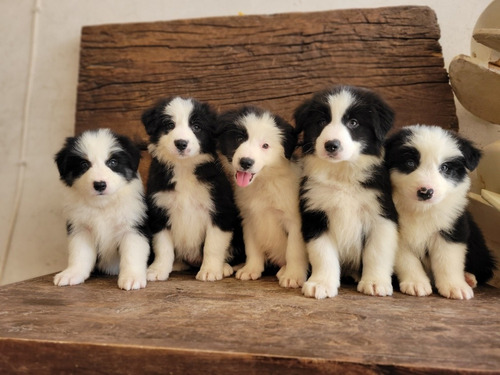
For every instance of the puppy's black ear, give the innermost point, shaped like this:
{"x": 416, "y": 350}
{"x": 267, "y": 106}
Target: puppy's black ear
{"x": 301, "y": 114}
{"x": 289, "y": 136}
{"x": 471, "y": 154}
{"x": 61, "y": 158}
{"x": 211, "y": 116}
{"x": 383, "y": 118}
{"x": 152, "y": 117}
{"x": 131, "y": 149}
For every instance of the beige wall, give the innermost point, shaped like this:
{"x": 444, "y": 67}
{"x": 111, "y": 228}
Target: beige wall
{"x": 39, "y": 40}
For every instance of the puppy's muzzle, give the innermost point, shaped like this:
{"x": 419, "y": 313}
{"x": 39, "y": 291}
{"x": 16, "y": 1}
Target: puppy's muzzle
{"x": 425, "y": 194}
{"x": 333, "y": 146}
{"x": 100, "y": 186}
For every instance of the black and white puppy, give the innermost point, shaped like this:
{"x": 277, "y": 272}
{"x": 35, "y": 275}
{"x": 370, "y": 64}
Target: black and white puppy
{"x": 349, "y": 221}
{"x": 438, "y": 238}
{"x": 256, "y": 147}
{"x": 191, "y": 207}
{"x": 105, "y": 209}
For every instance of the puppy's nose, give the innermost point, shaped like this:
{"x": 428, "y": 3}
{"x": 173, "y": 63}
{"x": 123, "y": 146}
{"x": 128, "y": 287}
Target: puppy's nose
{"x": 100, "y": 186}
{"x": 181, "y": 144}
{"x": 332, "y": 146}
{"x": 246, "y": 163}
{"x": 424, "y": 194}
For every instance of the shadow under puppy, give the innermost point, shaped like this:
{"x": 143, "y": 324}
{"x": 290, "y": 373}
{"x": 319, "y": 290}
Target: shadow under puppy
{"x": 105, "y": 209}
{"x": 438, "y": 237}
{"x": 349, "y": 221}
{"x": 256, "y": 148}
{"x": 191, "y": 208}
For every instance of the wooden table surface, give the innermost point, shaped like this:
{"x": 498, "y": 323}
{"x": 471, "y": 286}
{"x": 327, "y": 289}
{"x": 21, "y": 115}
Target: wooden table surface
{"x": 186, "y": 326}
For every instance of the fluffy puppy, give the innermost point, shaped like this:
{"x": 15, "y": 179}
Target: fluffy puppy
{"x": 191, "y": 208}
{"x": 349, "y": 221}
{"x": 256, "y": 147}
{"x": 105, "y": 209}
{"x": 438, "y": 238}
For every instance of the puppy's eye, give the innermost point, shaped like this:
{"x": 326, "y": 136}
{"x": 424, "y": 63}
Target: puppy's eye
{"x": 265, "y": 146}
{"x": 111, "y": 163}
{"x": 84, "y": 164}
{"x": 352, "y": 123}
{"x": 443, "y": 168}
{"x": 169, "y": 125}
{"x": 240, "y": 139}
{"x": 196, "y": 128}
{"x": 322, "y": 123}
{"x": 410, "y": 163}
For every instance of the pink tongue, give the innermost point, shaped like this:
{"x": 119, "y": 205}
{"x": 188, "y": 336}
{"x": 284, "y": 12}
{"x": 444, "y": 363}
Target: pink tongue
{"x": 243, "y": 178}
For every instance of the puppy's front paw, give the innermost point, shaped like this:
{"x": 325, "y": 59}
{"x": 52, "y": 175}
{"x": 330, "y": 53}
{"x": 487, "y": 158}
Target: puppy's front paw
{"x": 375, "y": 287}
{"x": 69, "y": 276}
{"x": 129, "y": 280}
{"x": 157, "y": 272}
{"x": 416, "y": 288}
{"x": 207, "y": 274}
{"x": 248, "y": 273}
{"x": 291, "y": 278}
{"x": 228, "y": 270}
{"x": 320, "y": 289}
{"x": 456, "y": 291}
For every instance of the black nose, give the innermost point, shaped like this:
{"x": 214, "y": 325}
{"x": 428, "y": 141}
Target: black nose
{"x": 332, "y": 146}
{"x": 246, "y": 163}
{"x": 424, "y": 194}
{"x": 100, "y": 186}
{"x": 181, "y": 144}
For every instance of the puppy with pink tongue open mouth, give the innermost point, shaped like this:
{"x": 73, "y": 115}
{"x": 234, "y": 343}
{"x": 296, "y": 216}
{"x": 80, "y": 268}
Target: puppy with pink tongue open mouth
{"x": 256, "y": 147}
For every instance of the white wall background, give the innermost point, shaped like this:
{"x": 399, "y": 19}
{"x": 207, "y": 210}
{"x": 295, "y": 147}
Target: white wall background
{"x": 39, "y": 40}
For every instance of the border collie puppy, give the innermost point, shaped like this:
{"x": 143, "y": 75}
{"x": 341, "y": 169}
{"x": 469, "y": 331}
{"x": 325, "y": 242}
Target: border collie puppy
{"x": 349, "y": 221}
{"x": 105, "y": 209}
{"x": 191, "y": 207}
{"x": 256, "y": 147}
{"x": 438, "y": 238}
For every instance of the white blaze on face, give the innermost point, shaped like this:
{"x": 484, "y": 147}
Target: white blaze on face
{"x": 337, "y": 132}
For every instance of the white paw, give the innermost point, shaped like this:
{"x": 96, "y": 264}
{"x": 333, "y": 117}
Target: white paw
{"x": 375, "y": 287}
{"x": 290, "y": 278}
{"x": 228, "y": 270}
{"x": 157, "y": 272}
{"x": 460, "y": 290}
{"x": 248, "y": 273}
{"x": 128, "y": 280}
{"x": 320, "y": 289}
{"x": 470, "y": 279}
{"x": 70, "y": 276}
{"x": 207, "y": 274}
{"x": 416, "y": 288}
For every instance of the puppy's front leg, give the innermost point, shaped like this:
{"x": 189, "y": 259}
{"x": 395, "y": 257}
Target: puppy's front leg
{"x": 163, "y": 247}
{"x": 294, "y": 273}
{"x": 254, "y": 265}
{"x": 134, "y": 253}
{"x": 81, "y": 262}
{"x": 213, "y": 267}
{"x": 447, "y": 263}
{"x": 378, "y": 259}
{"x": 410, "y": 272}
{"x": 325, "y": 278}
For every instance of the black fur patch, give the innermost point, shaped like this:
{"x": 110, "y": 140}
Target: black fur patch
{"x": 314, "y": 222}
{"x": 380, "y": 181}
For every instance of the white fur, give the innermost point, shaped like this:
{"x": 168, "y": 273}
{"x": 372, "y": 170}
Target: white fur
{"x": 269, "y": 205}
{"x": 334, "y": 187}
{"x": 421, "y": 221}
{"x": 103, "y": 225}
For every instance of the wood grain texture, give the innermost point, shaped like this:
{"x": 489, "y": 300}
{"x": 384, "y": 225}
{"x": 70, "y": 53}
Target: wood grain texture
{"x": 273, "y": 61}
{"x": 184, "y": 326}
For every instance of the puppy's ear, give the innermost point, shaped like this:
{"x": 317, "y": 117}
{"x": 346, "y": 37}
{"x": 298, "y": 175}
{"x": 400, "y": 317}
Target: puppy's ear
{"x": 289, "y": 136}
{"x": 150, "y": 120}
{"x": 301, "y": 114}
{"x": 384, "y": 118}
{"x": 211, "y": 116}
{"x": 131, "y": 149}
{"x": 471, "y": 154}
{"x": 61, "y": 158}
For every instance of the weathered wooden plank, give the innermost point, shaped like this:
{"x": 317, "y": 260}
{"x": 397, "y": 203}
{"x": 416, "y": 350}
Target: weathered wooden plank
{"x": 273, "y": 61}
{"x": 182, "y": 325}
